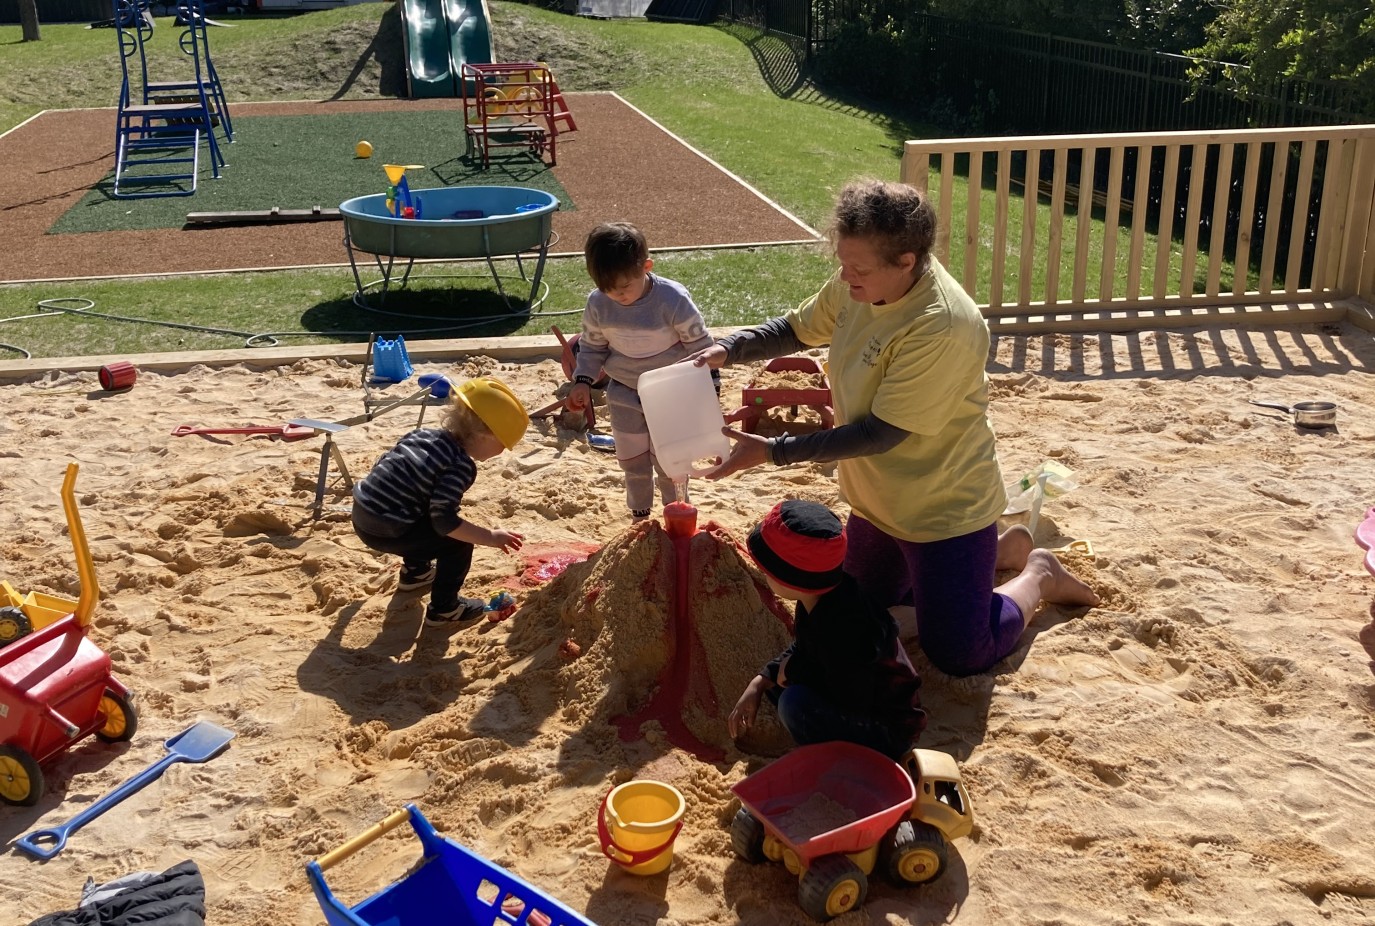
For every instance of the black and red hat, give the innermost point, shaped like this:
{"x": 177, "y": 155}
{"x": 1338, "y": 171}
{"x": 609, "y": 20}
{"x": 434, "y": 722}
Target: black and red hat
{"x": 800, "y": 545}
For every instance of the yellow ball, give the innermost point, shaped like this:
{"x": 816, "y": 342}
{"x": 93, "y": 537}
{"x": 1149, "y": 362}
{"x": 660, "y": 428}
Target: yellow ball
{"x": 363, "y": 149}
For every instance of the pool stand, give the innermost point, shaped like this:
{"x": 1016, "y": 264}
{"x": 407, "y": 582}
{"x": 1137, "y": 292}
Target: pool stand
{"x": 508, "y": 222}
{"x": 387, "y": 280}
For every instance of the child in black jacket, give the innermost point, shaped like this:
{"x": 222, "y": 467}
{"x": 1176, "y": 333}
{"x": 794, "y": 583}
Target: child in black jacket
{"x": 846, "y": 675}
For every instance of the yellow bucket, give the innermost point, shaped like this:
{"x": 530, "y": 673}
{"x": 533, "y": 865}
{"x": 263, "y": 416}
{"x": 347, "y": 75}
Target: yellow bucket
{"x": 637, "y": 824}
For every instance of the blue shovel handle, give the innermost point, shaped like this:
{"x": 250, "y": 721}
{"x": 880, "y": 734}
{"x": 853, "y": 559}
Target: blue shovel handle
{"x": 44, "y": 844}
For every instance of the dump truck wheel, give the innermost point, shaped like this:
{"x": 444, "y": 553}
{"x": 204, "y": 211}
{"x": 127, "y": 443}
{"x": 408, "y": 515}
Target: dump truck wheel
{"x": 14, "y": 624}
{"x": 918, "y": 855}
{"x": 831, "y": 886}
{"x": 747, "y": 836}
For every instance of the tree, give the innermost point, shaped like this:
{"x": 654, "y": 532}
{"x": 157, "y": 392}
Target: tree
{"x": 28, "y": 17}
{"x": 1092, "y": 20}
{"x": 1165, "y": 25}
{"x": 1305, "y": 39}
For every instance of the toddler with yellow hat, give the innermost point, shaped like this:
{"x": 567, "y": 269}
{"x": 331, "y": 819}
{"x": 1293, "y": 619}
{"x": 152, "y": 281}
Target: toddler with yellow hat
{"x": 409, "y": 504}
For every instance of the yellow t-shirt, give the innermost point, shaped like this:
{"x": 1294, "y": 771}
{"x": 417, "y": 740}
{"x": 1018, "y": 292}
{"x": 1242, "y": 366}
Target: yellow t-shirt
{"x": 918, "y": 364}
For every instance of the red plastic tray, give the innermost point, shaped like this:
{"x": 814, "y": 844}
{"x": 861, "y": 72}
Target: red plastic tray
{"x": 772, "y": 398}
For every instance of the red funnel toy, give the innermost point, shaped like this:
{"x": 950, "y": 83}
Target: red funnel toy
{"x": 676, "y": 679}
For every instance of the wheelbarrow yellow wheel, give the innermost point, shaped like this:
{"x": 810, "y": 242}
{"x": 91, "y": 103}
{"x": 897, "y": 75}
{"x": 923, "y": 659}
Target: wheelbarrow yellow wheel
{"x": 121, "y": 719}
{"x": 918, "y": 855}
{"x": 832, "y": 885}
{"x": 21, "y": 780}
{"x": 14, "y": 624}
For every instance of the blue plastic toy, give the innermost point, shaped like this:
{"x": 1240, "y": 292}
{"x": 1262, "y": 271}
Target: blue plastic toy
{"x": 449, "y": 883}
{"x": 390, "y": 363}
{"x": 501, "y": 605}
{"x": 400, "y": 202}
{"x": 439, "y": 384}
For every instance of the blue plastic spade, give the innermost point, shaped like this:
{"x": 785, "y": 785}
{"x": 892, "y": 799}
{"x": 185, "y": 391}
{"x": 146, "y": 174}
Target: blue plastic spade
{"x": 201, "y": 742}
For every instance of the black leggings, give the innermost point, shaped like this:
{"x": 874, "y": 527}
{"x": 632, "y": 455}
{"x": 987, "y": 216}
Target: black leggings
{"x": 418, "y": 547}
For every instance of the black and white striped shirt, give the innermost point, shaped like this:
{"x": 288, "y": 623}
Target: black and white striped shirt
{"x": 423, "y": 477}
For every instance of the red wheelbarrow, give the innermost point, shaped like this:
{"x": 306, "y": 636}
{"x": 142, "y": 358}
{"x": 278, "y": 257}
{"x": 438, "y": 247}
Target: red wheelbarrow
{"x": 55, "y": 684}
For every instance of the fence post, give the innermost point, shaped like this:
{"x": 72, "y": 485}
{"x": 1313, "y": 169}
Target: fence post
{"x": 1146, "y": 95}
{"x": 1046, "y": 76}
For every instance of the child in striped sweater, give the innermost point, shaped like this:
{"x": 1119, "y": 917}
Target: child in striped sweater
{"x": 409, "y": 504}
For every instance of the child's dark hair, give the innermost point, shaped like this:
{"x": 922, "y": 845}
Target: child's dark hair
{"x": 898, "y": 218}
{"x": 614, "y": 251}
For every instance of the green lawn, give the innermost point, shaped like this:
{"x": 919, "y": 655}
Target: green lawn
{"x": 734, "y": 94}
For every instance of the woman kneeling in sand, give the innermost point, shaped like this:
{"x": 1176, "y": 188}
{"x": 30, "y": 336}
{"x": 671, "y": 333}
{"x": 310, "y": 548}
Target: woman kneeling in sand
{"x": 915, "y": 452}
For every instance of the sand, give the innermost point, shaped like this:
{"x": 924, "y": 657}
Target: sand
{"x": 1200, "y": 749}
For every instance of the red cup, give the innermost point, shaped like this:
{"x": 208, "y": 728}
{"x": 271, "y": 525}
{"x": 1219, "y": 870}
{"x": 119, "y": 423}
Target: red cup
{"x": 680, "y": 519}
{"x": 118, "y": 375}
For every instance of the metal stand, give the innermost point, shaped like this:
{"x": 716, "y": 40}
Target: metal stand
{"x": 330, "y": 450}
{"x": 392, "y": 267}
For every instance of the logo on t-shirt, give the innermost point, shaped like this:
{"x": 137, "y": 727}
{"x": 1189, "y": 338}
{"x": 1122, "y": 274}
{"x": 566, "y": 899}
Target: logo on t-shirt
{"x": 871, "y": 351}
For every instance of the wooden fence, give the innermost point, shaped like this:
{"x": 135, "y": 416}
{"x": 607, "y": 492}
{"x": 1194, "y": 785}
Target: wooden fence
{"x": 1184, "y": 227}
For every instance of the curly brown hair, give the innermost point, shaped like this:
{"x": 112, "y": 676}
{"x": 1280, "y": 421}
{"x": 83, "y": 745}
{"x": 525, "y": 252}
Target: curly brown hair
{"x": 897, "y": 218}
{"x": 461, "y": 421}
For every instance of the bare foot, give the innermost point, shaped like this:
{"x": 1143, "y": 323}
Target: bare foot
{"x": 1014, "y": 546}
{"x": 1058, "y": 584}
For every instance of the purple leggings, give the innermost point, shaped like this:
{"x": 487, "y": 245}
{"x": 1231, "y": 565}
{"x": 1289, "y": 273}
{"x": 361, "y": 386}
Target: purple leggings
{"x": 964, "y": 626}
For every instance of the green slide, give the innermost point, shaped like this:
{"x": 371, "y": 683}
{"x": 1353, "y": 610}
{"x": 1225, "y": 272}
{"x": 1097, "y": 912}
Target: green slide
{"x": 440, "y": 37}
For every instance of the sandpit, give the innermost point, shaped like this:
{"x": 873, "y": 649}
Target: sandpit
{"x": 1198, "y": 749}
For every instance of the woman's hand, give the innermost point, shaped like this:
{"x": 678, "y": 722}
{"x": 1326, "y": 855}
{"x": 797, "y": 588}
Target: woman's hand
{"x": 742, "y": 715}
{"x": 713, "y": 357}
{"x": 749, "y": 451}
{"x": 506, "y": 541}
{"x": 579, "y": 397}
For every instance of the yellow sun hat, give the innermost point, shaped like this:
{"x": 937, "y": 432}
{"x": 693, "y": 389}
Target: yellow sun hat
{"x": 494, "y": 402}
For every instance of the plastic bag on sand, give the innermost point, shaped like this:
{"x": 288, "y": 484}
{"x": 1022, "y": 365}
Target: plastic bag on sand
{"x": 1024, "y": 497}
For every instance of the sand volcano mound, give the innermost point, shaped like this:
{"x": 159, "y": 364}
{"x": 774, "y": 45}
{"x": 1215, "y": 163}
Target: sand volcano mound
{"x": 619, "y": 609}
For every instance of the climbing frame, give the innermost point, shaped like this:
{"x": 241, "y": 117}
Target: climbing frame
{"x": 512, "y": 105}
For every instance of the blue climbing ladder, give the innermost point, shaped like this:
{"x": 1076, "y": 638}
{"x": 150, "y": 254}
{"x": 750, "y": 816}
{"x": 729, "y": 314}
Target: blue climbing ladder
{"x": 157, "y": 138}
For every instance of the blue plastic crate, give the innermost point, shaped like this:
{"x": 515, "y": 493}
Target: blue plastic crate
{"x": 390, "y": 361}
{"x": 470, "y": 890}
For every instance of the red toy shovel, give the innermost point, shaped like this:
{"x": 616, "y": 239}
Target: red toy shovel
{"x": 284, "y": 431}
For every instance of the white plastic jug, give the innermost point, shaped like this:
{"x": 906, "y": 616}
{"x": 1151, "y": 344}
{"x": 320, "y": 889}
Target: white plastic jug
{"x": 684, "y": 417}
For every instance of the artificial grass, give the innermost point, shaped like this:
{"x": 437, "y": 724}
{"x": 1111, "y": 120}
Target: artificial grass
{"x": 297, "y": 162}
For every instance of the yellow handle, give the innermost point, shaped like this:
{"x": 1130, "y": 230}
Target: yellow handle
{"x": 90, "y": 589}
{"x": 335, "y": 856}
